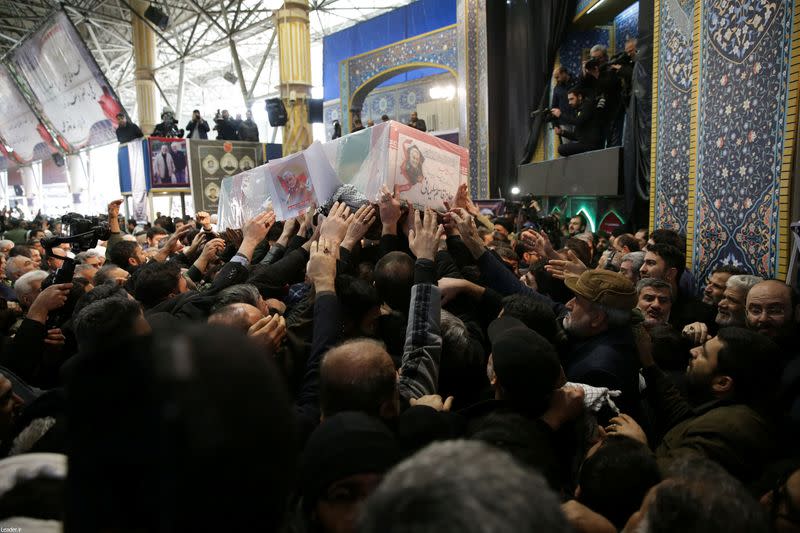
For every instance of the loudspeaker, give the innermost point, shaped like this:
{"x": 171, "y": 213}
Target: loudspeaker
{"x": 315, "y": 110}
{"x": 276, "y": 112}
{"x": 157, "y": 17}
{"x": 58, "y": 159}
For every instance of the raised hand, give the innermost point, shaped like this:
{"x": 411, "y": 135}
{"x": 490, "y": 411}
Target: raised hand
{"x": 566, "y": 404}
{"x": 424, "y": 237}
{"x": 390, "y": 212}
{"x": 452, "y": 287}
{"x": 256, "y": 229}
{"x": 696, "y": 333}
{"x": 269, "y": 332}
{"x": 203, "y": 219}
{"x": 55, "y": 337}
{"x": 334, "y": 227}
{"x": 197, "y": 241}
{"x": 113, "y": 216}
{"x": 434, "y": 401}
{"x": 469, "y": 232}
{"x": 361, "y": 221}
{"x": 562, "y": 268}
{"x": 172, "y": 244}
{"x": 321, "y": 269}
{"x": 49, "y": 300}
{"x": 463, "y": 201}
{"x": 627, "y": 426}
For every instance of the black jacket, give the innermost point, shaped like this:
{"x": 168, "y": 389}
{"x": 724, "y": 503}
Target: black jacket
{"x": 248, "y": 131}
{"x": 202, "y": 127}
{"x": 129, "y": 132}
{"x": 587, "y": 122}
{"x": 420, "y": 125}
{"x": 167, "y": 130}
{"x": 226, "y": 130}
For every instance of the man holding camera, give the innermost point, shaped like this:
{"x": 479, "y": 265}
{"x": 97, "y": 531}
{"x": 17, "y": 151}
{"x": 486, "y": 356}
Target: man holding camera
{"x": 588, "y": 128}
{"x": 168, "y": 127}
{"x": 197, "y": 128}
{"x": 225, "y": 127}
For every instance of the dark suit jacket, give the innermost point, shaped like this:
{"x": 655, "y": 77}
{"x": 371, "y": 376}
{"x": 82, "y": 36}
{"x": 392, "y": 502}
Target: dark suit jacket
{"x": 420, "y": 125}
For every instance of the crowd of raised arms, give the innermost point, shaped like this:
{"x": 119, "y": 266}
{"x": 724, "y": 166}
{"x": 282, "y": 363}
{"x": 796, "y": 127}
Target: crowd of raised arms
{"x": 378, "y": 369}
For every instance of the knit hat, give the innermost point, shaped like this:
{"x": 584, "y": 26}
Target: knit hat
{"x": 346, "y": 444}
{"x": 604, "y": 287}
{"x": 526, "y": 364}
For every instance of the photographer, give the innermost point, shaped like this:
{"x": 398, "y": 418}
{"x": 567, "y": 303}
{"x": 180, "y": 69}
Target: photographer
{"x": 225, "y": 126}
{"x": 168, "y": 127}
{"x": 198, "y": 128}
{"x": 248, "y": 129}
{"x": 588, "y": 132}
{"x": 622, "y": 64}
{"x": 606, "y": 88}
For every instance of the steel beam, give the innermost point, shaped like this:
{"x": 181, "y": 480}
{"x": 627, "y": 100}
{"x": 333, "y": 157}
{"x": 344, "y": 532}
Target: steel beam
{"x": 261, "y": 66}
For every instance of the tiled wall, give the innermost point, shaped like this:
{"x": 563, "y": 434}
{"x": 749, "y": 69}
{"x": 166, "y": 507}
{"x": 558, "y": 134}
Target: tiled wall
{"x": 397, "y": 101}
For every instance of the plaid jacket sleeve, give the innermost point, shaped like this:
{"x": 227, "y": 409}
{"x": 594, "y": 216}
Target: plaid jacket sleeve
{"x": 419, "y": 372}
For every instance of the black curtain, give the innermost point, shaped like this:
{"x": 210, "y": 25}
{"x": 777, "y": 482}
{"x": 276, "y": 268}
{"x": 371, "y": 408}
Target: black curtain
{"x": 638, "y": 123}
{"x": 522, "y": 37}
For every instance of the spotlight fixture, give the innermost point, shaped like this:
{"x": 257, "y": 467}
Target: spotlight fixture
{"x": 515, "y": 190}
{"x": 230, "y": 77}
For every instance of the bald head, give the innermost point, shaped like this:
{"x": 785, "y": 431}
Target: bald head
{"x": 237, "y": 316}
{"x": 772, "y": 309}
{"x": 359, "y": 375}
{"x": 394, "y": 277}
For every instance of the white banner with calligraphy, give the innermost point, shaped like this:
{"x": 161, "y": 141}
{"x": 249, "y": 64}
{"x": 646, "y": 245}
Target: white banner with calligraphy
{"x": 18, "y": 124}
{"x": 71, "y": 90}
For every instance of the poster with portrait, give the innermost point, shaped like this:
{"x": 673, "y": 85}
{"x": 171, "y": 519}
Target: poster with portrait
{"x": 424, "y": 170}
{"x": 242, "y": 197}
{"x": 168, "y": 164}
{"x": 210, "y": 161}
{"x": 290, "y": 186}
{"x": 300, "y": 180}
{"x": 70, "y": 90}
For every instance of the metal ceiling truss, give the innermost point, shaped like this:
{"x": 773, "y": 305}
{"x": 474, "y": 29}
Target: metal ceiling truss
{"x": 204, "y": 40}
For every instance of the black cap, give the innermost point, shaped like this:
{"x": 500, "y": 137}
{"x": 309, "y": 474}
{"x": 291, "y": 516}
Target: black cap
{"x": 526, "y": 364}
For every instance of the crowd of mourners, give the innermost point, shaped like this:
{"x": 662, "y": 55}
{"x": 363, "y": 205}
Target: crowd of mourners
{"x": 373, "y": 368}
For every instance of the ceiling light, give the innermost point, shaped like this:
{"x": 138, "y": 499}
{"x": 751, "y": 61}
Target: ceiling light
{"x": 442, "y": 92}
{"x": 595, "y": 6}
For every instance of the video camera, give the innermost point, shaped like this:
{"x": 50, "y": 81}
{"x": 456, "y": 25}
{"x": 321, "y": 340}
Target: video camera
{"x": 83, "y": 234}
{"x": 621, "y": 58}
{"x": 547, "y": 112}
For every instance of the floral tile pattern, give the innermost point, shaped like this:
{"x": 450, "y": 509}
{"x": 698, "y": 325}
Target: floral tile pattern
{"x": 674, "y": 117}
{"x": 744, "y": 85}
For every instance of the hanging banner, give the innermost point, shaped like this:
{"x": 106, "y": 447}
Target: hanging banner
{"x": 139, "y": 178}
{"x": 20, "y": 129}
{"x": 71, "y": 90}
{"x": 210, "y": 161}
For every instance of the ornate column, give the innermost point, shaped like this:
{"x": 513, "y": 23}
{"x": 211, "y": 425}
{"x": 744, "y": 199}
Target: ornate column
{"x": 294, "y": 49}
{"x": 473, "y": 93}
{"x": 144, "y": 54}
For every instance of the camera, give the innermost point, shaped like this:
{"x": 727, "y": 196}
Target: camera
{"x": 81, "y": 232}
{"x": 547, "y": 112}
{"x": 621, "y": 58}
